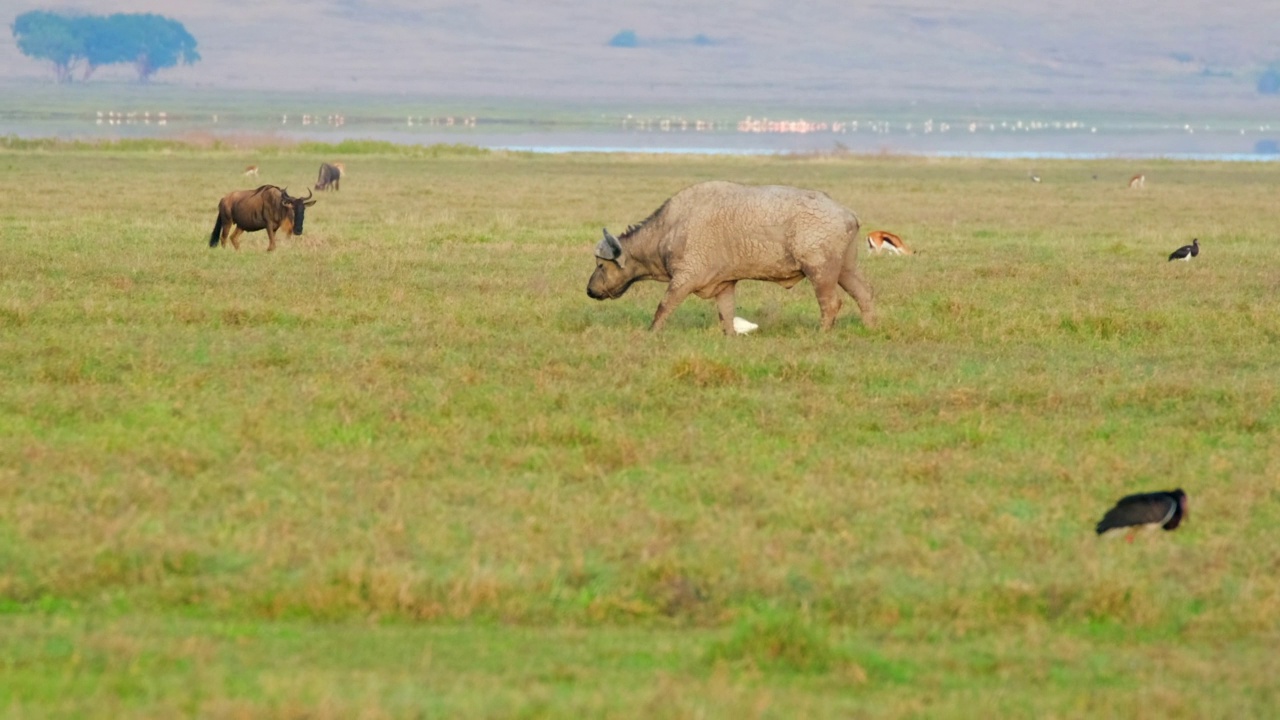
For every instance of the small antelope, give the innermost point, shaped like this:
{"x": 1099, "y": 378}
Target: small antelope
{"x": 251, "y": 170}
{"x": 1137, "y": 181}
{"x": 879, "y": 240}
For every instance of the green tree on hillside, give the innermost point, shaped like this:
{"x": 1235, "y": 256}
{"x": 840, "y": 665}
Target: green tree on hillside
{"x": 49, "y": 36}
{"x": 161, "y": 43}
{"x": 1269, "y": 83}
{"x": 108, "y": 41}
{"x": 148, "y": 42}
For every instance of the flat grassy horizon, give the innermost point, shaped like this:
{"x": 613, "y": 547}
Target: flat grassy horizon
{"x": 403, "y": 466}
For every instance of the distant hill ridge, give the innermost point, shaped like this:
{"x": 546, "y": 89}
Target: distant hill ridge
{"x": 1095, "y": 53}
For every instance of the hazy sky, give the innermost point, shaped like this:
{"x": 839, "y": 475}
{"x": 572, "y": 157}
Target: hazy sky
{"x": 1173, "y": 54}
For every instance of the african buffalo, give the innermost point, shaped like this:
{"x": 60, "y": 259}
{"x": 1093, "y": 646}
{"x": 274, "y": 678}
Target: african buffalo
{"x": 707, "y": 237}
{"x": 330, "y": 176}
{"x": 265, "y": 208}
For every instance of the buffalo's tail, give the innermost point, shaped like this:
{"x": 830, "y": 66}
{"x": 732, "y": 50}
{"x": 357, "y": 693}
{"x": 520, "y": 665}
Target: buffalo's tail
{"x": 217, "y": 230}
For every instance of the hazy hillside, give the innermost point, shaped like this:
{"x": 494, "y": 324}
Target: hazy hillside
{"x": 1147, "y": 54}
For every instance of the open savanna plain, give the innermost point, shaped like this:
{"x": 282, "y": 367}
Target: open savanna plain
{"x": 404, "y": 467}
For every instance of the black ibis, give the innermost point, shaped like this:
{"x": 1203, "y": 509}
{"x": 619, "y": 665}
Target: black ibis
{"x": 1186, "y": 252}
{"x": 1165, "y": 510}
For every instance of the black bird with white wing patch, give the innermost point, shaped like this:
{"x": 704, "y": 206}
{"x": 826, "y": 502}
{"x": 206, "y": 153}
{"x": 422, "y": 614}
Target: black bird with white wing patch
{"x": 1186, "y": 252}
{"x": 1158, "y": 509}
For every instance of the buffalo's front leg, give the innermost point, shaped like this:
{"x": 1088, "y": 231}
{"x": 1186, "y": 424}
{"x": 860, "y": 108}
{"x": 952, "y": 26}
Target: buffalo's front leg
{"x": 676, "y": 293}
{"x": 725, "y": 305}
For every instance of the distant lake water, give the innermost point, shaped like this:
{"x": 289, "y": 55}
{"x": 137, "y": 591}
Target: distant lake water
{"x": 1003, "y": 138}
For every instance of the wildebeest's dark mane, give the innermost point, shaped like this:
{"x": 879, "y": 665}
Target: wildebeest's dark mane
{"x": 632, "y": 229}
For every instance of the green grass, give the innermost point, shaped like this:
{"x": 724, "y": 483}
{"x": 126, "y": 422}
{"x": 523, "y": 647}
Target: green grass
{"x": 403, "y": 465}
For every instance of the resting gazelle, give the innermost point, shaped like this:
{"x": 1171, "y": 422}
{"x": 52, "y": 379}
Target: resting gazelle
{"x": 251, "y": 170}
{"x": 1137, "y": 181}
{"x": 879, "y": 240}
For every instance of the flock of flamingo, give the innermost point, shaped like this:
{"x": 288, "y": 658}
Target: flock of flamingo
{"x": 749, "y": 124}
{"x": 111, "y": 117}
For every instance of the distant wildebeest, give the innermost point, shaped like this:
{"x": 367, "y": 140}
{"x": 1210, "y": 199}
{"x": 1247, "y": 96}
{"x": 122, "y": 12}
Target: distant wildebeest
{"x": 251, "y": 170}
{"x": 265, "y": 208}
{"x": 1137, "y": 181}
{"x": 880, "y": 240}
{"x": 330, "y": 176}
{"x": 707, "y": 237}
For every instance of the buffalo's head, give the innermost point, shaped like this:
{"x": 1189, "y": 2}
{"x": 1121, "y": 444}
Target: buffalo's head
{"x": 612, "y": 277}
{"x": 297, "y": 207}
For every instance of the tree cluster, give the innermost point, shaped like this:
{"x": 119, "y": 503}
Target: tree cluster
{"x": 146, "y": 41}
{"x": 1269, "y": 82}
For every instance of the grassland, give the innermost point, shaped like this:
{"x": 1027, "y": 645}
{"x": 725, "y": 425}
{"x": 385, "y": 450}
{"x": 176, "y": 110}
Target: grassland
{"x": 404, "y": 467}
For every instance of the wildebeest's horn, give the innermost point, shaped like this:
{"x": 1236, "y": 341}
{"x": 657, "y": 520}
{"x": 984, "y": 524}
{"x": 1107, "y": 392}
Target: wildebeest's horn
{"x": 609, "y": 247}
{"x": 308, "y": 197}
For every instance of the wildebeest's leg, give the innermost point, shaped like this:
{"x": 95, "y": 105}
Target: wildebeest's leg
{"x": 853, "y": 283}
{"x": 676, "y": 293}
{"x": 724, "y": 304}
{"x": 271, "y": 238}
{"x": 235, "y": 236}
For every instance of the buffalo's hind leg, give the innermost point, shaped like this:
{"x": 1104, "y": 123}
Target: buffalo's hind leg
{"x": 824, "y": 286}
{"x": 725, "y": 306}
{"x": 854, "y": 284}
{"x": 829, "y": 302}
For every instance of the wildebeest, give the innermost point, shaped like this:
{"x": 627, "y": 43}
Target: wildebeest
{"x": 266, "y": 208}
{"x": 330, "y": 176}
{"x": 707, "y": 237}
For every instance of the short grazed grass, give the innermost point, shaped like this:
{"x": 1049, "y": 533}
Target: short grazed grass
{"x": 403, "y": 465}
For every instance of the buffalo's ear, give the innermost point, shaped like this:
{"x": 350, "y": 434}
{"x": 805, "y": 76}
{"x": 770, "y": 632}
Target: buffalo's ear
{"x": 610, "y": 249}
